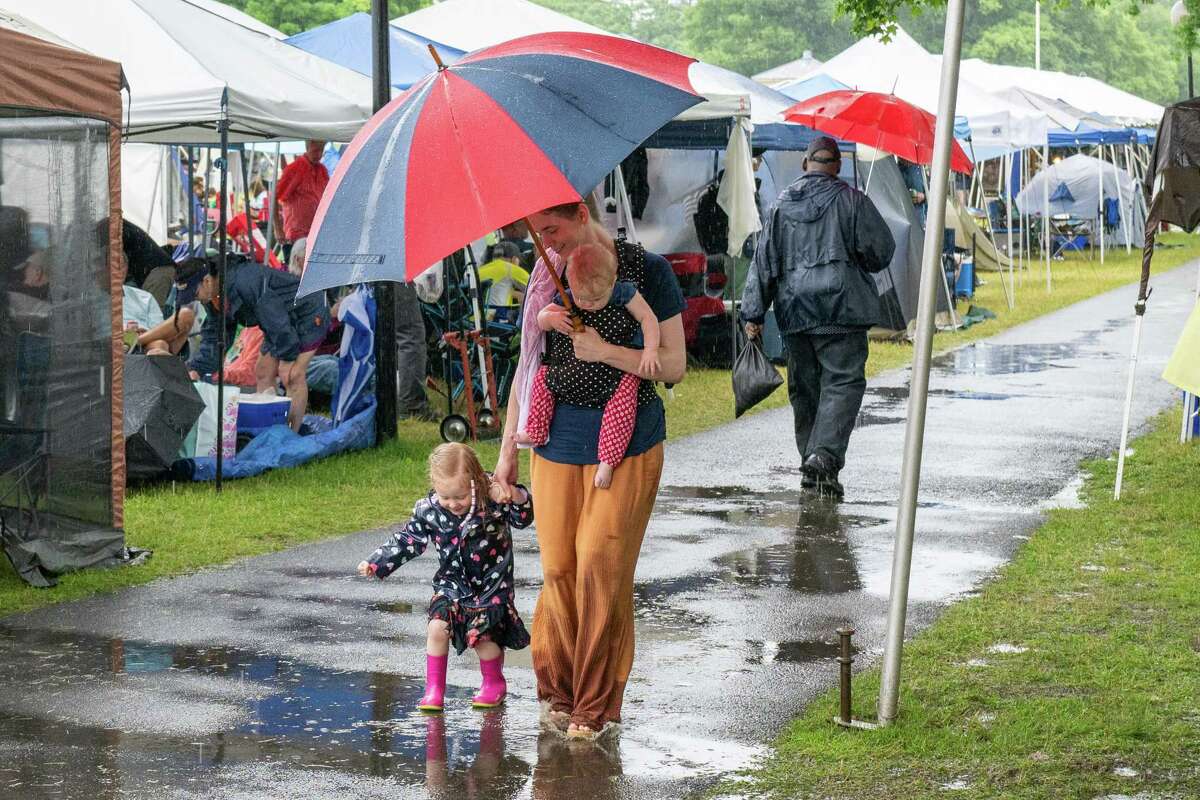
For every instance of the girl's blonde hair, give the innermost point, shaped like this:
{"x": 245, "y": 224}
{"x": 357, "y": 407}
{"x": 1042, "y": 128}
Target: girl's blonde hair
{"x": 453, "y": 461}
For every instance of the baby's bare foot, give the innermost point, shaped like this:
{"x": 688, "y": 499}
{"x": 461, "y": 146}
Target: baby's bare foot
{"x": 604, "y": 476}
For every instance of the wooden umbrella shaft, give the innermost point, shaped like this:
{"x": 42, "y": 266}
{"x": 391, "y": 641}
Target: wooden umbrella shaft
{"x": 558, "y": 284}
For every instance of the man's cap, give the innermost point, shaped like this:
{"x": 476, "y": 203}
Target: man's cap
{"x": 826, "y": 143}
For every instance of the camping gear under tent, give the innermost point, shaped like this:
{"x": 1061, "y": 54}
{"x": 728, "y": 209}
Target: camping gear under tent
{"x": 62, "y": 475}
{"x": 1074, "y": 187}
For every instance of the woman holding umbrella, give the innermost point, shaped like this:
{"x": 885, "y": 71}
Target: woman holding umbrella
{"x": 559, "y": 110}
{"x": 590, "y": 538}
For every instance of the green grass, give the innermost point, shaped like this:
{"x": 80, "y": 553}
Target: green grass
{"x": 1106, "y": 600}
{"x": 189, "y": 526}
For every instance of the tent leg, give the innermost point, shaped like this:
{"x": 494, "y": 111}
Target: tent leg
{"x": 1006, "y": 162}
{"x": 1100, "y": 181}
{"x": 223, "y": 218}
{"x": 191, "y": 201}
{"x": 271, "y": 214}
{"x": 1133, "y": 356}
{"x": 1046, "y": 215}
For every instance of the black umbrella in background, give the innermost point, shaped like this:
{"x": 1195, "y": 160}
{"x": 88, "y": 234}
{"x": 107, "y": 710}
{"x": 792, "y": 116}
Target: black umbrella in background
{"x": 161, "y": 406}
{"x": 1173, "y": 186}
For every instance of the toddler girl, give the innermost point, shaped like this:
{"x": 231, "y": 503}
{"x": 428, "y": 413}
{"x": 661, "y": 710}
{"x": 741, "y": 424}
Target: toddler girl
{"x": 621, "y": 316}
{"x": 467, "y": 519}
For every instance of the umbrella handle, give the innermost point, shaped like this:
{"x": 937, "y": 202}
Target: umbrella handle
{"x": 576, "y": 322}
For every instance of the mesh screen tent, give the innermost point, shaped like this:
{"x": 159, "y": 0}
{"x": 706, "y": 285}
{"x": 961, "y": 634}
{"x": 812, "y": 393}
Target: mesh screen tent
{"x": 61, "y": 456}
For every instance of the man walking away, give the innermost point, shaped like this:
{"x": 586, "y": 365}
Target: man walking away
{"x": 813, "y": 262}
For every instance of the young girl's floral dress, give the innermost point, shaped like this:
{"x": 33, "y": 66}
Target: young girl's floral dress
{"x": 473, "y": 586}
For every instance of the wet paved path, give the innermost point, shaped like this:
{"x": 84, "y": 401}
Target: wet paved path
{"x": 283, "y": 676}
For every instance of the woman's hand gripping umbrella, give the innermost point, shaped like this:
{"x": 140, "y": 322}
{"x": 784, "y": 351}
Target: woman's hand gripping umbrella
{"x": 505, "y": 131}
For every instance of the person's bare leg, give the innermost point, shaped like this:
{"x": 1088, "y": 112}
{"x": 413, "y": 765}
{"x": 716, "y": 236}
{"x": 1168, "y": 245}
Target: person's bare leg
{"x": 266, "y": 373}
{"x": 170, "y": 330}
{"x": 297, "y": 387}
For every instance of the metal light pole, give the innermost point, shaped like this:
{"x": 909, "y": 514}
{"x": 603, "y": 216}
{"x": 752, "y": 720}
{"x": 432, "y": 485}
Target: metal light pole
{"x": 385, "y": 296}
{"x": 1037, "y": 35}
{"x": 914, "y": 434}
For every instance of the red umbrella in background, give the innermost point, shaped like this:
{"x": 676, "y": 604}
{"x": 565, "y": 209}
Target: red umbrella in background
{"x": 878, "y": 120}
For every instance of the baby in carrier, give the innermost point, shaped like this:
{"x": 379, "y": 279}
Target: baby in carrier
{"x": 621, "y": 316}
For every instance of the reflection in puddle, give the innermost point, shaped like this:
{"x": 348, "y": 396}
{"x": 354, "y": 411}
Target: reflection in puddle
{"x": 817, "y": 559}
{"x": 1005, "y": 359}
{"x": 239, "y": 708}
{"x": 393, "y": 607}
{"x": 801, "y": 652}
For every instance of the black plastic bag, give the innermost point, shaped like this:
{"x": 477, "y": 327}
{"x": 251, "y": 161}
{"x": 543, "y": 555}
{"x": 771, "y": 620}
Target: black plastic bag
{"x": 754, "y": 377}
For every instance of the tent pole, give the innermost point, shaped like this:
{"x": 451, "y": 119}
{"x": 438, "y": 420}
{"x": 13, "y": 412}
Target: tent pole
{"x": 1006, "y": 160}
{"x": 1100, "y": 182}
{"x": 914, "y": 434}
{"x": 271, "y": 199}
{"x": 1139, "y": 310}
{"x": 223, "y": 217}
{"x": 1046, "y": 211}
{"x": 1121, "y": 203}
{"x": 191, "y": 201}
{"x": 387, "y": 372}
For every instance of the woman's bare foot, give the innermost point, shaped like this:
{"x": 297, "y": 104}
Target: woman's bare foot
{"x": 581, "y": 732}
{"x": 559, "y": 720}
{"x": 604, "y": 475}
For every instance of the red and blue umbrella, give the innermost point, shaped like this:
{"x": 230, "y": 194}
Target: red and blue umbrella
{"x": 506, "y": 131}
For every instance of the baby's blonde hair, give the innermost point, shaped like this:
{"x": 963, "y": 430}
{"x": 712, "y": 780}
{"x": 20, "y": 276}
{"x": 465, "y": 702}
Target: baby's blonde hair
{"x": 453, "y": 461}
{"x": 591, "y": 267}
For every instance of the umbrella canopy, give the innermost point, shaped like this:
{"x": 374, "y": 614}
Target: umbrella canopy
{"x": 348, "y": 42}
{"x": 502, "y": 133}
{"x": 878, "y": 120}
{"x": 161, "y": 406}
{"x": 1173, "y": 180}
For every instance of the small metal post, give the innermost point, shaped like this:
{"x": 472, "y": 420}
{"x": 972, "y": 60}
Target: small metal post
{"x": 845, "y": 662}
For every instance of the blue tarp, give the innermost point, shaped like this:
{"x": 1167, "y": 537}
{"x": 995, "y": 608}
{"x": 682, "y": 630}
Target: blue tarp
{"x": 279, "y": 447}
{"x": 348, "y": 42}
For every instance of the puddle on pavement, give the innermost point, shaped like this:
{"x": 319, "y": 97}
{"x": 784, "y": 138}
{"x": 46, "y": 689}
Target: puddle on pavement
{"x": 799, "y": 652}
{"x": 982, "y": 358}
{"x": 395, "y": 607}
{"x": 816, "y": 559}
{"x": 289, "y": 715}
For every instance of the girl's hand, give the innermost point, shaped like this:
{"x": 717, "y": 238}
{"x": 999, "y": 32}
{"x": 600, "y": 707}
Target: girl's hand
{"x": 588, "y": 345}
{"x": 366, "y": 569}
{"x": 555, "y": 317}
{"x": 650, "y": 365}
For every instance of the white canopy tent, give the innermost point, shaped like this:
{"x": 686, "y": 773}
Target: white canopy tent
{"x": 790, "y": 72}
{"x": 189, "y": 68}
{"x": 472, "y": 24}
{"x": 1087, "y": 94}
{"x": 240, "y": 17}
{"x": 902, "y": 67}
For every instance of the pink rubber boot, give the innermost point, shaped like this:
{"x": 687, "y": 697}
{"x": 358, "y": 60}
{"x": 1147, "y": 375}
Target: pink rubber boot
{"x": 435, "y": 683}
{"x": 493, "y": 690}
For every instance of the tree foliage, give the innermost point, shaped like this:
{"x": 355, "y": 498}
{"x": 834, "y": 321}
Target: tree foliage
{"x": 1127, "y": 43}
{"x": 294, "y": 16}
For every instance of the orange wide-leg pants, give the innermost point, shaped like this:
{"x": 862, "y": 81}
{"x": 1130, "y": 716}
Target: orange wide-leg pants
{"x": 589, "y": 540}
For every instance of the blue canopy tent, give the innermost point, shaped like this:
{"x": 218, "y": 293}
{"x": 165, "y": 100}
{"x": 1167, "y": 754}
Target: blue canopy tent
{"x": 347, "y": 42}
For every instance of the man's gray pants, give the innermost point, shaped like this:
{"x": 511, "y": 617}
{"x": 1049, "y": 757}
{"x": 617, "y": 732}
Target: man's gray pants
{"x": 826, "y": 382}
{"x": 410, "y": 351}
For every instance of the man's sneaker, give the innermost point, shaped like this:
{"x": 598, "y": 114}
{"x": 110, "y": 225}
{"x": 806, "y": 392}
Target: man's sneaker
{"x": 820, "y": 475}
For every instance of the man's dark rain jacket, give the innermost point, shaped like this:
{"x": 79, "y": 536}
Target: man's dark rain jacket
{"x": 815, "y": 254}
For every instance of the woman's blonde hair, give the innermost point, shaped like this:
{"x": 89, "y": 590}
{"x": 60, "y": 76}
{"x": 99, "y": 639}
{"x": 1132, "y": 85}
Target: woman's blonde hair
{"x": 454, "y": 460}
